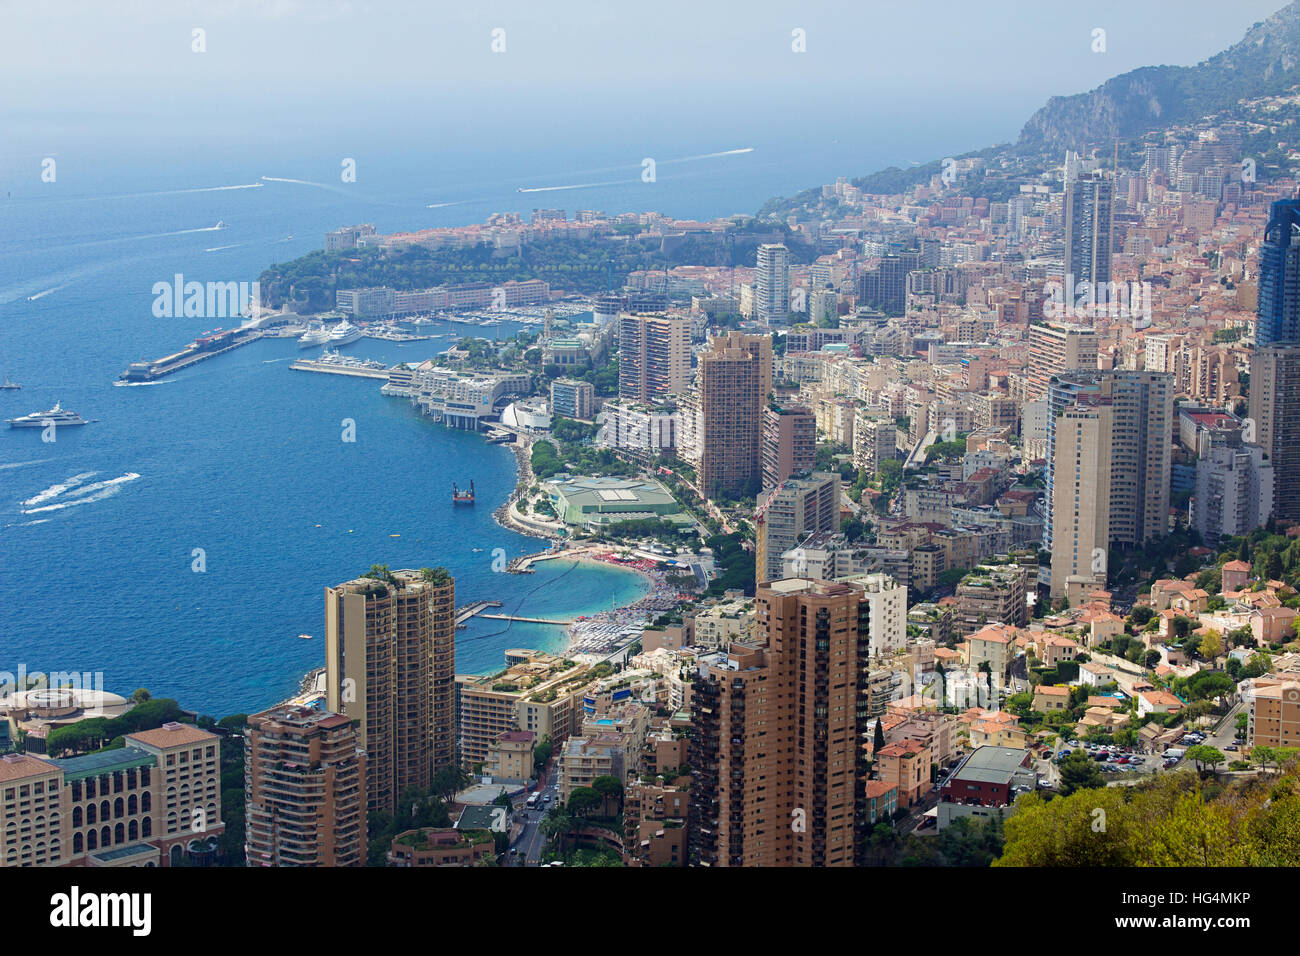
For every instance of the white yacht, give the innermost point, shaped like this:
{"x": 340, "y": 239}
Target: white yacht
{"x": 343, "y": 334}
{"x": 58, "y": 415}
{"x": 317, "y": 334}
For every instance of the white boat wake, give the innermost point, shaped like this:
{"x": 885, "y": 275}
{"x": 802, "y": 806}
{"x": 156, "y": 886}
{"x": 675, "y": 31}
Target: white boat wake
{"x": 55, "y": 490}
{"x": 96, "y": 491}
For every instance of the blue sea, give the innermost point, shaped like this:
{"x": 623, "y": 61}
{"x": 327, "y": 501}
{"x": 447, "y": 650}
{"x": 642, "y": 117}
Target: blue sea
{"x": 240, "y": 460}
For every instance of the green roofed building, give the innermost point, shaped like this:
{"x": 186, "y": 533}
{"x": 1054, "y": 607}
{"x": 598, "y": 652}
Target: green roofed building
{"x": 598, "y": 502}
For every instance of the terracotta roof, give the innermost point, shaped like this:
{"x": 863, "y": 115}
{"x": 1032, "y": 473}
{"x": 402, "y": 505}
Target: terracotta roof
{"x": 19, "y": 766}
{"x": 171, "y": 735}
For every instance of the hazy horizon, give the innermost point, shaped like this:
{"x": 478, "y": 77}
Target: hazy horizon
{"x": 339, "y": 78}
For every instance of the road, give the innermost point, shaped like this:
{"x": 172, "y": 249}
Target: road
{"x": 531, "y": 840}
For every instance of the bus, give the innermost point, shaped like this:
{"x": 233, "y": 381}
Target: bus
{"x": 532, "y": 800}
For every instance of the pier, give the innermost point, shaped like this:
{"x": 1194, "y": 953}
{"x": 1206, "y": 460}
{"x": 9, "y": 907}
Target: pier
{"x": 524, "y": 565}
{"x": 202, "y": 348}
{"x": 463, "y": 614}
{"x": 335, "y": 368}
{"x": 527, "y": 620}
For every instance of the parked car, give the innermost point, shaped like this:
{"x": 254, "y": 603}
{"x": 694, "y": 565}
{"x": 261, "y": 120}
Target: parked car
{"x": 1231, "y": 747}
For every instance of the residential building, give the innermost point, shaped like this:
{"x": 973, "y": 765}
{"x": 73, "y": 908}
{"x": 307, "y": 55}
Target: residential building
{"x": 789, "y": 443}
{"x": 735, "y": 378}
{"x": 573, "y": 399}
{"x": 789, "y": 513}
{"x": 778, "y": 726}
{"x": 304, "y": 789}
{"x": 772, "y": 283}
{"x": 390, "y": 660}
{"x": 654, "y": 356}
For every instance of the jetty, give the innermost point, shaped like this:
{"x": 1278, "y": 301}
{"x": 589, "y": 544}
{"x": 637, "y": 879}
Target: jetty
{"x": 336, "y": 368}
{"x": 463, "y": 614}
{"x": 201, "y": 349}
{"x": 527, "y": 620}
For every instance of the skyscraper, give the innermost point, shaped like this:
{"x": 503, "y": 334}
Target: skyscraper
{"x": 735, "y": 378}
{"x": 777, "y": 758}
{"x": 1139, "y": 455}
{"x": 304, "y": 788}
{"x": 1278, "y": 321}
{"x": 772, "y": 283}
{"x": 654, "y": 355}
{"x": 1089, "y": 223}
{"x": 390, "y": 658}
{"x": 1275, "y": 364}
{"x": 1081, "y": 492}
{"x": 1275, "y": 420}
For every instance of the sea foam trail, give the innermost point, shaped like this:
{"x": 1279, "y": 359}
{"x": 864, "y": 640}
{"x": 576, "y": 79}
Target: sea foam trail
{"x": 106, "y": 490}
{"x": 23, "y": 464}
{"x": 55, "y": 490}
{"x": 551, "y": 189}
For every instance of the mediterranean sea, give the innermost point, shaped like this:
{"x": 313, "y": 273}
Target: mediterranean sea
{"x": 240, "y": 459}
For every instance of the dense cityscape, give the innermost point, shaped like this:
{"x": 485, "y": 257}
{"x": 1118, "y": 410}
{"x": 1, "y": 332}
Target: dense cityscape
{"x": 958, "y": 507}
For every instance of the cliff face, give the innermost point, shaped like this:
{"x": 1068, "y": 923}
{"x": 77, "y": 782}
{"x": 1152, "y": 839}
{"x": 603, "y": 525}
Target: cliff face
{"x": 1264, "y": 62}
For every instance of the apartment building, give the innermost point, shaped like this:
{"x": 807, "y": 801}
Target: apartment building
{"x": 304, "y": 789}
{"x": 573, "y": 399}
{"x": 789, "y": 513}
{"x": 789, "y": 443}
{"x": 538, "y": 692}
{"x": 735, "y": 378}
{"x": 778, "y": 770}
{"x": 1275, "y": 714}
{"x": 654, "y": 357}
{"x": 390, "y": 660}
{"x": 991, "y": 594}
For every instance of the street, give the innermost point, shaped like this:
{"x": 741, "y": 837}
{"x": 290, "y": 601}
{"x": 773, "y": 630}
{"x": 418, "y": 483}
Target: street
{"x": 531, "y": 840}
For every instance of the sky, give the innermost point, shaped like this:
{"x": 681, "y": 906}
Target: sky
{"x": 126, "y": 72}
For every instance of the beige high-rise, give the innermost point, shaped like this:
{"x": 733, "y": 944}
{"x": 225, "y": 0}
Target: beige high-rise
{"x": 1081, "y": 494}
{"x": 390, "y": 658}
{"x": 654, "y": 356}
{"x": 304, "y": 789}
{"x": 734, "y": 381}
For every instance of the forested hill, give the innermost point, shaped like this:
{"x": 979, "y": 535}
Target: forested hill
{"x": 573, "y": 265}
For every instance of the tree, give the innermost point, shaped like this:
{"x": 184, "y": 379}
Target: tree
{"x": 141, "y": 695}
{"x": 1203, "y": 755}
{"x": 1263, "y": 756}
{"x": 1079, "y": 772}
{"x": 449, "y": 781}
{"x": 609, "y": 788}
{"x": 582, "y": 801}
{"x": 1212, "y": 644}
{"x": 878, "y": 740}
{"x": 541, "y": 755}
{"x": 1140, "y": 614}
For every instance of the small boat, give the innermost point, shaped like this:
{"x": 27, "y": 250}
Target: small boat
{"x": 304, "y": 637}
{"x": 6, "y": 384}
{"x": 221, "y": 224}
{"x": 459, "y": 496}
